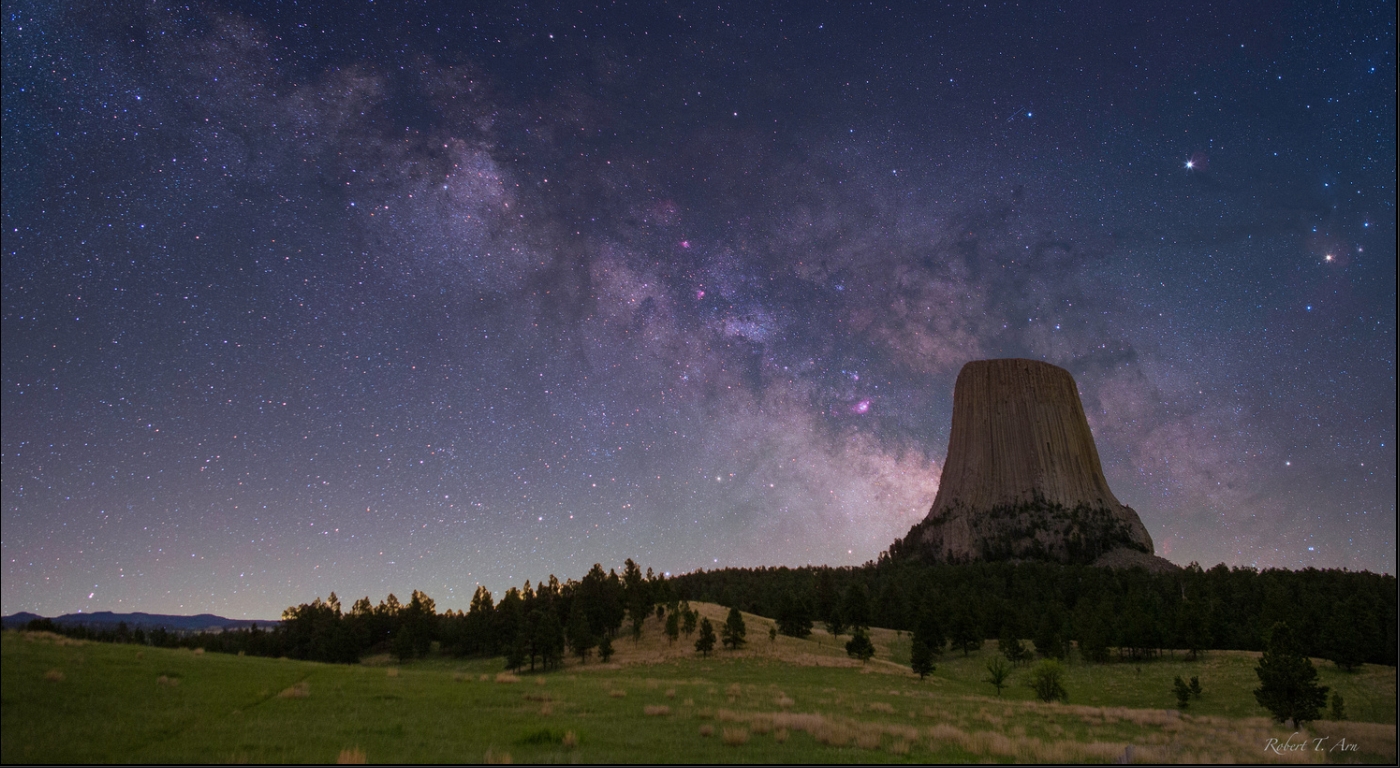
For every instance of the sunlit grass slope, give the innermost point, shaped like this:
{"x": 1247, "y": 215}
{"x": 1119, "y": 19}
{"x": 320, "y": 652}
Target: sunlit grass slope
{"x": 782, "y": 700}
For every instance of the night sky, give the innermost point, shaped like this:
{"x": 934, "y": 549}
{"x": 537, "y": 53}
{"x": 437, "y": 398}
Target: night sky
{"x": 370, "y": 297}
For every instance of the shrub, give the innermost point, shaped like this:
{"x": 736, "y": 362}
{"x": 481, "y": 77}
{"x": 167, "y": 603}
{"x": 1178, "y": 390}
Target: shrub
{"x": 1182, "y": 691}
{"x": 1339, "y": 707}
{"x": 735, "y": 737}
{"x": 1047, "y": 680}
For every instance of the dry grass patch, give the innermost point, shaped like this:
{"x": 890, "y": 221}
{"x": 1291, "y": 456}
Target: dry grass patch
{"x": 784, "y": 701}
{"x": 299, "y": 691}
{"x": 492, "y": 757}
{"x": 54, "y": 676}
{"x": 506, "y": 677}
{"x": 880, "y": 706}
{"x": 868, "y": 739}
{"x": 168, "y": 682}
{"x": 670, "y": 693}
{"x": 780, "y": 735}
{"x": 570, "y": 740}
{"x": 199, "y": 651}
{"x": 391, "y": 672}
{"x": 351, "y": 756}
{"x": 735, "y": 737}
{"x": 656, "y": 710}
{"x": 618, "y": 693}
{"x": 707, "y": 730}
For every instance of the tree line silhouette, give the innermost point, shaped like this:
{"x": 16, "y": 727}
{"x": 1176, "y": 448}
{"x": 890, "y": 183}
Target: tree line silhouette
{"x": 1344, "y": 616}
{"x": 1347, "y": 617}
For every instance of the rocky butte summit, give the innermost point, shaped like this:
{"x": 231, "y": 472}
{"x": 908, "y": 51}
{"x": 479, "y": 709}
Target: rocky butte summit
{"x": 1022, "y": 480}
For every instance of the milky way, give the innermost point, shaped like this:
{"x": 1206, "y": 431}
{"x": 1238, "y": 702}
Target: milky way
{"x": 368, "y": 299}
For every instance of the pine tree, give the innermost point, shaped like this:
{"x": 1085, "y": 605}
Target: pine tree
{"x": 673, "y": 627}
{"x": 706, "y": 642}
{"x": 734, "y": 630}
{"x": 966, "y": 636}
{"x": 1093, "y": 639}
{"x": 1287, "y": 680}
{"x": 1182, "y": 691}
{"x": 920, "y": 658}
{"x": 1048, "y": 642}
{"x": 1339, "y": 708}
{"x": 794, "y": 617}
{"x": 581, "y": 638}
{"x": 1193, "y": 626}
{"x": 859, "y": 646}
{"x": 1350, "y": 633}
{"x": 1011, "y": 646}
{"x": 929, "y": 631}
{"x": 828, "y": 612}
{"x": 890, "y": 608}
{"x": 605, "y": 649}
{"x": 855, "y": 607}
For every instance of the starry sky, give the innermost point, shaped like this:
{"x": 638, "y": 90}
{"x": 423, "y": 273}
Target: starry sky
{"x": 370, "y": 297}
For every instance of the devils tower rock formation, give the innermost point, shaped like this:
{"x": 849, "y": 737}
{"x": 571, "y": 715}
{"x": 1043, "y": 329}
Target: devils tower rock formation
{"x": 1023, "y": 479}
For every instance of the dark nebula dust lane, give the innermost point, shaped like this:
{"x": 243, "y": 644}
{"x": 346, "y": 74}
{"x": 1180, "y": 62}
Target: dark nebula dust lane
{"x": 367, "y": 297}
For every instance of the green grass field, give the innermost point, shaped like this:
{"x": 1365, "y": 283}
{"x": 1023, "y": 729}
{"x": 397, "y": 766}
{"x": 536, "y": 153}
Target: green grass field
{"x": 784, "y": 701}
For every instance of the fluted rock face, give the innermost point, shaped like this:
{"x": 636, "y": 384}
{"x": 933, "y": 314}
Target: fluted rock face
{"x": 1022, "y": 479}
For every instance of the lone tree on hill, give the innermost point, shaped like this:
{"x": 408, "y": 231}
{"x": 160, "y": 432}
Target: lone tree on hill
{"x": 688, "y": 620}
{"x": 859, "y": 646}
{"x": 673, "y": 627}
{"x": 734, "y": 630}
{"x": 920, "y": 658}
{"x": 997, "y": 673}
{"x": 706, "y": 642}
{"x": 1287, "y": 680}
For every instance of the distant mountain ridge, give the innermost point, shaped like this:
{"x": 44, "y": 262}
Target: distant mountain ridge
{"x": 105, "y": 619}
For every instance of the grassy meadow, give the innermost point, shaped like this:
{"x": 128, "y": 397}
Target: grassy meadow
{"x": 786, "y": 700}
